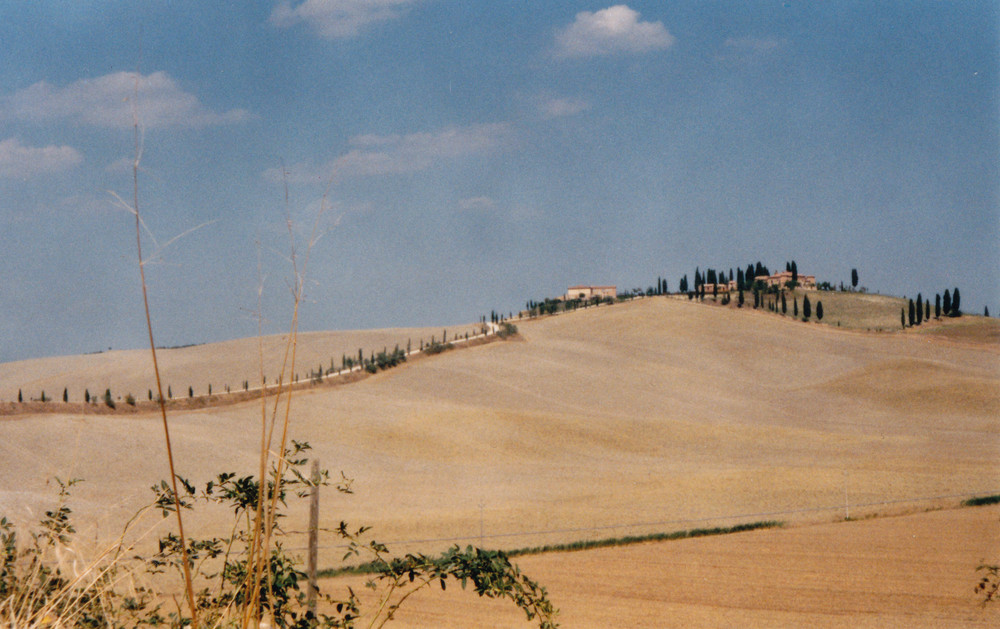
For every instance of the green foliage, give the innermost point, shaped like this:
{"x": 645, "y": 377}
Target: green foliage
{"x": 806, "y": 308}
{"x": 507, "y": 330}
{"x": 34, "y": 590}
{"x": 819, "y": 310}
{"x": 638, "y": 539}
{"x": 108, "y": 400}
{"x": 65, "y": 395}
{"x": 436, "y": 347}
{"x": 980, "y": 501}
{"x": 130, "y": 400}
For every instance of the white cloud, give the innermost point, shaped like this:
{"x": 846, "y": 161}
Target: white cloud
{"x": 121, "y": 166}
{"x": 476, "y": 203}
{"x": 335, "y": 19}
{"x": 106, "y": 101}
{"x": 558, "y": 107}
{"x": 616, "y": 29}
{"x": 397, "y": 154}
{"x": 20, "y": 161}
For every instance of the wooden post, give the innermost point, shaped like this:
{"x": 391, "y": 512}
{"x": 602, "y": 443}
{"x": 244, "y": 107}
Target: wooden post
{"x": 313, "y": 537}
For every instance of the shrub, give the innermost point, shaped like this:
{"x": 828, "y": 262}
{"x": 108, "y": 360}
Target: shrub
{"x": 232, "y": 582}
{"x": 436, "y": 348}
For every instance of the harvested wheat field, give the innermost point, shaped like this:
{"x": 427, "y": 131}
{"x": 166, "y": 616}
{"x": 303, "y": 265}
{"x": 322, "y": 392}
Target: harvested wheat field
{"x": 648, "y": 416}
{"x": 907, "y": 571}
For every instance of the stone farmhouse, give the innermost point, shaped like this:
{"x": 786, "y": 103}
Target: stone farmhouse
{"x": 780, "y": 279}
{"x": 586, "y": 292}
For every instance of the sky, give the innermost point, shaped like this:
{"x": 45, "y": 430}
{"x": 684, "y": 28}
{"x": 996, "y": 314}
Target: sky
{"x": 430, "y": 161}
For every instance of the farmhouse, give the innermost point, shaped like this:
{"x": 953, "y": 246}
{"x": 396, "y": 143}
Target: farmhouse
{"x": 781, "y": 279}
{"x": 586, "y": 292}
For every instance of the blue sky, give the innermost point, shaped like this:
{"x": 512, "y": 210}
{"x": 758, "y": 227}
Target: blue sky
{"x": 480, "y": 154}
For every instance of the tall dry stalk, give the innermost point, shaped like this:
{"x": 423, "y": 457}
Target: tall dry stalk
{"x": 188, "y": 585}
{"x": 260, "y": 545}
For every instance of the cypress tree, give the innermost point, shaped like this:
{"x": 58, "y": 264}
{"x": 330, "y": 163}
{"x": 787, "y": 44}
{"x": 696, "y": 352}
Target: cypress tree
{"x": 854, "y": 278}
{"x": 190, "y": 391}
{"x": 937, "y": 305}
{"x": 740, "y": 301}
{"x": 795, "y": 306}
{"x": 784, "y": 303}
{"x": 927, "y": 310}
{"x": 912, "y": 314}
{"x": 920, "y": 309}
{"x": 986, "y": 311}
{"x": 86, "y": 396}
{"x": 795, "y": 272}
{"x": 902, "y": 318}
{"x": 819, "y": 311}
{"x": 956, "y": 300}
{"x": 20, "y": 396}
{"x": 946, "y": 306}
{"x": 65, "y": 395}
{"x": 806, "y": 308}
{"x": 170, "y": 392}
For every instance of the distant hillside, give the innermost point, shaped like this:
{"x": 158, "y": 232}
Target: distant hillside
{"x": 658, "y": 414}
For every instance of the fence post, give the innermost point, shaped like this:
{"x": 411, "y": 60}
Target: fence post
{"x": 313, "y": 537}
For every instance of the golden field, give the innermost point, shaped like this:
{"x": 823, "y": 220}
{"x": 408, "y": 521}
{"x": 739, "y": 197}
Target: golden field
{"x": 654, "y": 415}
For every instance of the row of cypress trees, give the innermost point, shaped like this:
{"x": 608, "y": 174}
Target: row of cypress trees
{"x": 920, "y": 310}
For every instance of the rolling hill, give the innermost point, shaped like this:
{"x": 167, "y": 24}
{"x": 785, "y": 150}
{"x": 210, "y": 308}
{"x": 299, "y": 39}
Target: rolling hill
{"x": 653, "y": 415}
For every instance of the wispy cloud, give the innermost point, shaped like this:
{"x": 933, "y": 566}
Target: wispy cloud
{"x": 336, "y": 19}
{"x": 373, "y": 155}
{"x": 613, "y": 30}
{"x": 476, "y": 203}
{"x": 558, "y": 107}
{"x": 106, "y": 101}
{"x": 20, "y": 161}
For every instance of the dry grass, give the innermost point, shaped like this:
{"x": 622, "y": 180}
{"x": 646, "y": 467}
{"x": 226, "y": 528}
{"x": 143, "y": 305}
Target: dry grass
{"x": 658, "y": 411}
